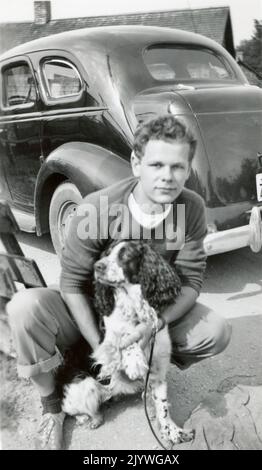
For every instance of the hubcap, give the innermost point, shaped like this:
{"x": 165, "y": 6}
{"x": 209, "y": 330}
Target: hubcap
{"x": 65, "y": 216}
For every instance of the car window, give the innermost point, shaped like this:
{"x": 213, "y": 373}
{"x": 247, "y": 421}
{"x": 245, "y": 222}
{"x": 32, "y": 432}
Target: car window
{"x": 18, "y": 85}
{"x": 61, "y": 78}
{"x": 185, "y": 63}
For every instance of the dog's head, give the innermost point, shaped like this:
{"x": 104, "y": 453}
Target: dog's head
{"x": 135, "y": 262}
{"x": 109, "y": 269}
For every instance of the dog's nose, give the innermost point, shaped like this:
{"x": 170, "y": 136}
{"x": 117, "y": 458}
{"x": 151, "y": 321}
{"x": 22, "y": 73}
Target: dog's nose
{"x": 100, "y": 266}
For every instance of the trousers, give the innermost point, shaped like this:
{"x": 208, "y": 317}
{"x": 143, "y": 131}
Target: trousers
{"x": 43, "y": 327}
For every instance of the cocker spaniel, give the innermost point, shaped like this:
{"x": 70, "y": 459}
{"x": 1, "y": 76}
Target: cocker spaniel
{"x": 133, "y": 285}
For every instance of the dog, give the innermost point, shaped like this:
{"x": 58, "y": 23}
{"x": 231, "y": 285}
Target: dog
{"x": 133, "y": 284}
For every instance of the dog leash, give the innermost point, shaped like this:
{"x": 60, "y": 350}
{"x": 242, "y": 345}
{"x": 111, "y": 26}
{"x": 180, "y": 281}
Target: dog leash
{"x": 146, "y": 387}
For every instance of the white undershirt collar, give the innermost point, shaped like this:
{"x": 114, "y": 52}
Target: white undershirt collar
{"x": 148, "y": 221}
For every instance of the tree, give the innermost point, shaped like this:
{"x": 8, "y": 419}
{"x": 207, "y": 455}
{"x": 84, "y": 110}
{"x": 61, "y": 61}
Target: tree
{"x": 252, "y": 48}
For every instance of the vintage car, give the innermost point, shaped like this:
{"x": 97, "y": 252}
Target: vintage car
{"x": 70, "y": 104}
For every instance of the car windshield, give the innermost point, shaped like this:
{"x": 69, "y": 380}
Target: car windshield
{"x": 166, "y": 63}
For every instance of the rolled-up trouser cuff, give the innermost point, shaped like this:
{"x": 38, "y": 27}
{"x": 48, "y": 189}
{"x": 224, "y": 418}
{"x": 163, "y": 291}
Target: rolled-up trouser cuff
{"x": 41, "y": 367}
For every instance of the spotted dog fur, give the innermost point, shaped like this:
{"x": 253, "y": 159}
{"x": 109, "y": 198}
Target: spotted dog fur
{"x": 133, "y": 284}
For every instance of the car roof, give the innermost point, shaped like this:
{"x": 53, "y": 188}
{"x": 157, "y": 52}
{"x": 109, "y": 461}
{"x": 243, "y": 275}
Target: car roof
{"x": 111, "y": 37}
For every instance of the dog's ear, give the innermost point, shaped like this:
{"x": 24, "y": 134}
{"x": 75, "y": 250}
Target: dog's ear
{"x": 104, "y": 301}
{"x": 130, "y": 256}
{"x": 160, "y": 284}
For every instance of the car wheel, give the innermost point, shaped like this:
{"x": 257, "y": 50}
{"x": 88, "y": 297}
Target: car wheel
{"x": 62, "y": 208}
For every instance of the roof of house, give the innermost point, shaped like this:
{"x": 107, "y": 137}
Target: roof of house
{"x": 214, "y": 23}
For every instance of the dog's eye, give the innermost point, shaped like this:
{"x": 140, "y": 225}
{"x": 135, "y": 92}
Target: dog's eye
{"x": 129, "y": 258}
{"x": 121, "y": 252}
{"x": 130, "y": 269}
{"x": 123, "y": 255}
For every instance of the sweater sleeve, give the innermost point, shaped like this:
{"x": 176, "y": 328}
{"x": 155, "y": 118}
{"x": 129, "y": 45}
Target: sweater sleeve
{"x": 190, "y": 262}
{"x": 81, "y": 251}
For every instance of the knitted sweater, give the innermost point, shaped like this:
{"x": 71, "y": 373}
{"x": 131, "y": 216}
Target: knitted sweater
{"x": 99, "y": 221}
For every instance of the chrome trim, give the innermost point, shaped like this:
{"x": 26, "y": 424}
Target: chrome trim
{"x": 21, "y": 106}
{"x": 35, "y": 116}
{"x": 182, "y": 86}
{"x": 25, "y": 221}
{"x": 57, "y": 114}
{"x": 66, "y": 62}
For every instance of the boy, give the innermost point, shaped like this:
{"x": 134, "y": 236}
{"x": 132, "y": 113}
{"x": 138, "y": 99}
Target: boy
{"x": 44, "y": 321}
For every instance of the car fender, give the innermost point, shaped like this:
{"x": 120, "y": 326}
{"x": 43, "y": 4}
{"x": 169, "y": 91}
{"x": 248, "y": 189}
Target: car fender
{"x": 86, "y": 165}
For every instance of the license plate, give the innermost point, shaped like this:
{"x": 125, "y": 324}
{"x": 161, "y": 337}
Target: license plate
{"x": 259, "y": 186}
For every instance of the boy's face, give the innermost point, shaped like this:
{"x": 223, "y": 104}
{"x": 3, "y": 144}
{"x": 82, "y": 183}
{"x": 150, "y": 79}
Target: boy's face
{"x": 162, "y": 171}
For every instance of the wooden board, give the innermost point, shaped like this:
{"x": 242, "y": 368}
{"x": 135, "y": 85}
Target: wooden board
{"x": 8, "y": 229}
{"x": 7, "y": 286}
{"x": 23, "y": 270}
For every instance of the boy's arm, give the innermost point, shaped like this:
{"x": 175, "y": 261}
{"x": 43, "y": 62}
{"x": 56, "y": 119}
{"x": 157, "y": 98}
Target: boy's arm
{"x": 82, "y": 312}
{"x": 190, "y": 263}
{"x": 183, "y": 304}
{"x": 76, "y": 280}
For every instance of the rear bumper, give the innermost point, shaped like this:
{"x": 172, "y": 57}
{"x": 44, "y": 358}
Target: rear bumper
{"x": 232, "y": 239}
{"x": 220, "y": 242}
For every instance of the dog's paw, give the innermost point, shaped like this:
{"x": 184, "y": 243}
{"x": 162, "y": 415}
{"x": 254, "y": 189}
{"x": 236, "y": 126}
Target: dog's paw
{"x": 82, "y": 419}
{"x": 93, "y": 422}
{"x": 133, "y": 362}
{"x": 172, "y": 434}
{"x": 96, "y": 421}
{"x": 186, "y": 435}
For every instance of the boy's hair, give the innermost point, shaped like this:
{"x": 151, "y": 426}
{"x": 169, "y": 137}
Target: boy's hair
{"x": 167, "y": 128}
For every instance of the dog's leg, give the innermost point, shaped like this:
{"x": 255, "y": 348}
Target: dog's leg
{"x": 170, "y": 432}
{"x": 150, "y": 404}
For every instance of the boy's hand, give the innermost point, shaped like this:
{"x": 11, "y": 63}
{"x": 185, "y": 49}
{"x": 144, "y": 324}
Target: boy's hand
{"x": 141, "y": 335}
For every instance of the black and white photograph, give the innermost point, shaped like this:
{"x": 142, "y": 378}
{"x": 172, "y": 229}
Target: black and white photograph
{"x": 131, "y": 228}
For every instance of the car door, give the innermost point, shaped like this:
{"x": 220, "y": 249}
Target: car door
{"x": 72, "y": 109}
{"x": 20, "y": 121}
